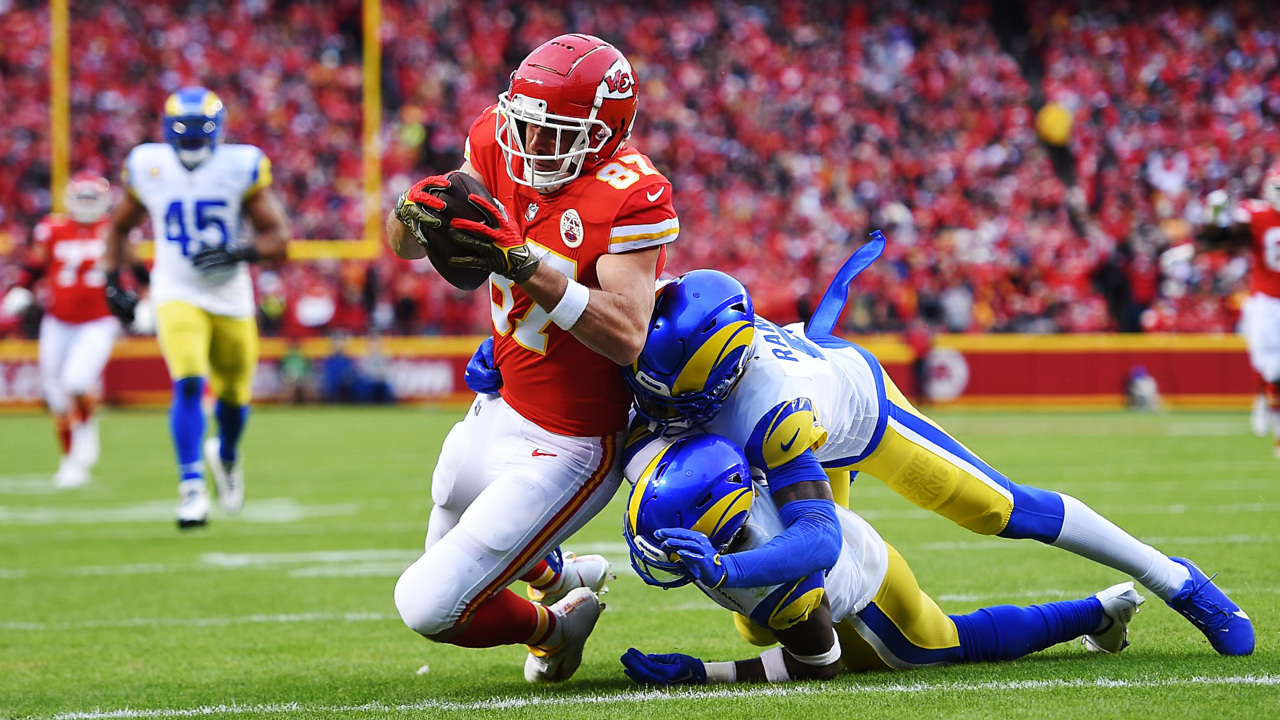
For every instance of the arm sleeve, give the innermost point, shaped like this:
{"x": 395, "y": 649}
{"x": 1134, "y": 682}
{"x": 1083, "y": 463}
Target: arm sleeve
{"x": 811, "y": 542}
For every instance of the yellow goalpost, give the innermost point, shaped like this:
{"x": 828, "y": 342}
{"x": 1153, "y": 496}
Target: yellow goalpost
{"x": 367, "y": 247}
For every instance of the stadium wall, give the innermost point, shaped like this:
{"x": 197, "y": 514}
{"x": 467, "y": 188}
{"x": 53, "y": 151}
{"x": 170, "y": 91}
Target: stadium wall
{"x": 1210, "y": 371}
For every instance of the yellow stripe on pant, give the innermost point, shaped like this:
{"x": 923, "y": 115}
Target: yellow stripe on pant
{"x": 197, "y": 343}
{"x": 932, "y": 478}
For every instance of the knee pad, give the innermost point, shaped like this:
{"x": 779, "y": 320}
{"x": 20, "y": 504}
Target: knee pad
{"x": 428, "y": 595}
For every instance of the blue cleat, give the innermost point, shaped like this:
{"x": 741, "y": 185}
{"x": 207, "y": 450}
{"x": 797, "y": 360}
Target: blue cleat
{"x": 1229, "y": 629}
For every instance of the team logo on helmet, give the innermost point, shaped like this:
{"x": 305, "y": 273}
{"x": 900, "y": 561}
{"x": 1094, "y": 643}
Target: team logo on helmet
{"x": 619, "y": 82}
{"x": 571, "y": 228}
{"x": 651, "y": 384}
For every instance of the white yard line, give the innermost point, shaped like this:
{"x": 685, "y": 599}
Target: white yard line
{"x": 204, "y": 622}
{"x": 643, "y": 696}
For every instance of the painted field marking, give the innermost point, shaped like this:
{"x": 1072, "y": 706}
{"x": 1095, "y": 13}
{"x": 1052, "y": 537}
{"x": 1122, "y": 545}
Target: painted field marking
{"x": 681, "y": 695}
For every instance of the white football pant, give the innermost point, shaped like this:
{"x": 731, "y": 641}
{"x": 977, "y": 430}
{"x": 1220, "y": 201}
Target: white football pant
{"x": 72, "y": 356}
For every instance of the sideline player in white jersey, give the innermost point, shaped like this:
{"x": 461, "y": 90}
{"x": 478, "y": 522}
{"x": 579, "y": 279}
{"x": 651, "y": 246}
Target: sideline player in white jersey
{"x": 196, "y": 190}
{"x": 863, "y": 610}
{"x": 77, "y": 331}
{"x": 804, "y": 405}
{"x": 1255, "y": 225}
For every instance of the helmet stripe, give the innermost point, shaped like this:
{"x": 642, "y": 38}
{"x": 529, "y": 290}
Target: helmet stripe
{"x": 637, "y": 492}
{"x": 725, "y": 509}
{"x": 696, "y": 372}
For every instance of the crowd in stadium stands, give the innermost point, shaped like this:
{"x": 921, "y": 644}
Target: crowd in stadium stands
{"x": 789, "y": 129}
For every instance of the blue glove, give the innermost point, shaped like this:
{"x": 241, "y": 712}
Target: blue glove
{"x": 669, "y": 669}
{"x": 481, "y": 376}
{"x": 696, "y": 553}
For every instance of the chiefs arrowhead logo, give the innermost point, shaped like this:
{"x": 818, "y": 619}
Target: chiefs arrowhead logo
{"x": 619, "y": 81}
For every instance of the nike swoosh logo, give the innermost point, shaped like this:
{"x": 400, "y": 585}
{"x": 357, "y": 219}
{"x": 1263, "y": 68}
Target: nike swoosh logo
{"x": 655, "y": 195}
{"x": 787, "y": 445}
{"x": 1241, "y": 613}
{"x": 539, "y": 453}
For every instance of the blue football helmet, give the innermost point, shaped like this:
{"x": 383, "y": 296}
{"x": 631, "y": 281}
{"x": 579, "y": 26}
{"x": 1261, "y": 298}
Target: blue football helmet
{"x": 194, "y": 119}
{"x": 699, "y": 340}
{"x": 700, "y": 482}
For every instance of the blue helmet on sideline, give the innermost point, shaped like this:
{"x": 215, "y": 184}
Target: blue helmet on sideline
{"x": 699, "y": 339}
{"x": 700, "y": 482}
{"x": 194, "y": 120}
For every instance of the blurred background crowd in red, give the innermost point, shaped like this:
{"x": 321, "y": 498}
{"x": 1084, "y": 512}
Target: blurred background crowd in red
{"x": 789, "y": 129}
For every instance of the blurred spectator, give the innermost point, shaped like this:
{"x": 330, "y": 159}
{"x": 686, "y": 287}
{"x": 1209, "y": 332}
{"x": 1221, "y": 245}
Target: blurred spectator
{"x": 297, "y": 376}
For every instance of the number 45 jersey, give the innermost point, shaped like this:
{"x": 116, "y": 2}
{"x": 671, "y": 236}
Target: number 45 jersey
{"x": 620, "y": 205}
{"x": 191, "y": 209}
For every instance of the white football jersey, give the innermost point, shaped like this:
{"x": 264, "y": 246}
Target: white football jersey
{"x": 844, "y": 384}
{"x": 194, "y": 208}
{"x": 850, "y": 585}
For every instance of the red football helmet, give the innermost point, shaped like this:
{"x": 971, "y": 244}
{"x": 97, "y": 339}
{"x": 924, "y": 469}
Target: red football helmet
{"x": 1271, "y": 185}
{"x": 87, "y": 197}
{"x": 582, "y": 92}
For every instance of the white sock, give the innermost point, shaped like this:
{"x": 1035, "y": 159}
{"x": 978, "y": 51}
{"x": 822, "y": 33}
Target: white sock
{"x": 1089, "y": 535}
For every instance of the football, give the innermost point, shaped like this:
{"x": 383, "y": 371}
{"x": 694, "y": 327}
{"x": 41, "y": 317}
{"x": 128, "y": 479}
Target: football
{"x": 441, "y": 247}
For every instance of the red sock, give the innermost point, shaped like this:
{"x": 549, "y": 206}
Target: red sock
{"x": 506, "y": 619}
{"x": 84, "y": 408}
{"x": 63, "y": 424}
{"x": 541, "y": 576}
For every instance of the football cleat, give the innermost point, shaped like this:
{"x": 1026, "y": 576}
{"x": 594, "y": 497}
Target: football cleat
{"x": 193, "y": 504}
{"x": 1260, "y": 417}
{"x": 84, "y": 443}
{"x": 228, "y": 477}
{"x": 70, "y": 474}
{"x": 576, "y": 617}
{"x": 579, "y": 571}
{"x": 1228, "y": 628}
{"x": 1119, "y": 605}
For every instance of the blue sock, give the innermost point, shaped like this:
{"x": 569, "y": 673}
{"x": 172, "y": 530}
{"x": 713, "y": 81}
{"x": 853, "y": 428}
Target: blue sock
{"x": 186, "y": 424}
{"x": 231, "y": 421}
{"x": 1006, "y": 632}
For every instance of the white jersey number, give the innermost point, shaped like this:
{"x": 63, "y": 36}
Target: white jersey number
{"x": 530, "y": 330}
{"x": 74, "y": 254}
{"x": 1271, "y": 249}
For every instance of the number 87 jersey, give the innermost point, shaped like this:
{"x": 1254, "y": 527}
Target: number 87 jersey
{"x": 619, "y": 205}
{"x": 191, "y": 209}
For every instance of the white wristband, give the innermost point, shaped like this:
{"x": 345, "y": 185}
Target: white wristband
{"x": 721, "y": 672}
{"x": 571, "y": 305}
{"x": 823, "y": 659}
{"x": 775, "y": 668}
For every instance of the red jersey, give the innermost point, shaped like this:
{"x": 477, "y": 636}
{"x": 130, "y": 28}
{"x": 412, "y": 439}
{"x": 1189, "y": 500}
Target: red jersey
{"x": 1264, "y": 222}
{"x": 73, "y": 267}
{"x": 621, "y": 205}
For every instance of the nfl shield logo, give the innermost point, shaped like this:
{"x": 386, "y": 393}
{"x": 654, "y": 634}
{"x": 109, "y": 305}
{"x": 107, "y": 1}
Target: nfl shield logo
{"x": 571, "y": 228}
{"x": 531, "y": 212}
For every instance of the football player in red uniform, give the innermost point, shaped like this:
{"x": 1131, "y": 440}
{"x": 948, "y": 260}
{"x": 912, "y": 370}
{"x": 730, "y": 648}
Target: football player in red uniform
{"x": 77, "y": 331}
{"x": 578, "y": 247}
{"x": 1255, "y": 224}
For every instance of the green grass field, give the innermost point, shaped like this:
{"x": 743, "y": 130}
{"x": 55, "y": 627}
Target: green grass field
{"x": 286, "y": 611}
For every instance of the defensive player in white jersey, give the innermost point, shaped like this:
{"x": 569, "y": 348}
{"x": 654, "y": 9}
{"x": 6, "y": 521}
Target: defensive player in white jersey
{"x": 861, "y": 609}
{"x": 196, "y": 190}
{"x": 805, "y": 405}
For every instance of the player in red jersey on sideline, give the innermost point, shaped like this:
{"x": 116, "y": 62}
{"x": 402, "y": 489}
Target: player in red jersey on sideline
{"x": 1255, "y": 224}
{"x": 574, "y": 261}
{"x": 77, "y": 331}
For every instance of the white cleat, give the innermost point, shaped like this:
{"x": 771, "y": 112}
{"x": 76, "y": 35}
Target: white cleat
{"x": 70, "y": 474}
{"x": 1260, "y": 417}
{"x": 1119, "y": 605}
{"x": 228, "y": 478}
{"x": 580, "y": 571}
{"x": 84, "y": 443}
{"x": 193, "y": 504}
{"x": 576, "y": 617}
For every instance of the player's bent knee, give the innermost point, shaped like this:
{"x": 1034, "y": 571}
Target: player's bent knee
{"x": 753, "y": 632}
{"x": 428, "y": 597}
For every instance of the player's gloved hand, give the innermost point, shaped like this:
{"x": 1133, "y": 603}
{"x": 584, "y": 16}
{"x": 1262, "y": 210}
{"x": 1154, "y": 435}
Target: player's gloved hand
{"x": 481, "y": 375}
{"x": 696, "y": 552}
{"x": 122, "y": 303}
{"x": 668, "y": 669}
{"x": 418, "y": 208}
{"x": 215, "y": 258}
{"x": 496, "y": 246}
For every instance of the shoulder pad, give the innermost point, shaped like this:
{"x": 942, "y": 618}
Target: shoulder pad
{"x": 784, "y": 433}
